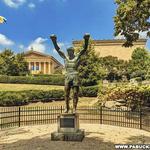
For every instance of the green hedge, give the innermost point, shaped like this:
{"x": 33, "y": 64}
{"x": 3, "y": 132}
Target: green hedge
{"x": 43, "y": 80}
{"x": 17, "y": 98}
{"x": 25, "y": 97}
{"x": 135, "y": 96}
{"x": 89, "y": 91}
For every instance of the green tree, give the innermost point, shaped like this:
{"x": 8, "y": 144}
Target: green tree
{"x": 139, "y": 64}
{"x": 90, "y": 70}
{"x": 22, "y": 66}
{"x": 7, "y": 62}
{"x": 115, "y": 67}
{"x": 11, "y": 64}
{"x": 132, "y": 17}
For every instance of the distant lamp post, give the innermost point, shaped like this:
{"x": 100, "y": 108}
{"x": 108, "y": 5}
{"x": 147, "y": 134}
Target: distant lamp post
{"x": 2, "y": 20}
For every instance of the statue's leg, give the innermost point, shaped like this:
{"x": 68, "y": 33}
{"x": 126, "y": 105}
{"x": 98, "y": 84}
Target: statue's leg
{"x": 67, "y": 94}
{"x": 75, "y": 97}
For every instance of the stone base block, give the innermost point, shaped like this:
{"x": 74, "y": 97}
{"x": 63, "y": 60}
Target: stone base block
{"x": 72, "y": 136}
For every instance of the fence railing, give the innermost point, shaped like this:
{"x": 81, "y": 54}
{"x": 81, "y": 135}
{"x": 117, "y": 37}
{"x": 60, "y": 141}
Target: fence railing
{"x": 22, "y": 116}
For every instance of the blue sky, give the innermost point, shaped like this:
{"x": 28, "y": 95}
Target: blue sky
{"x": 30, "y": 22}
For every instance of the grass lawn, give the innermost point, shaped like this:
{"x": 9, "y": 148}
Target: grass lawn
{"x": 21, "y": 87}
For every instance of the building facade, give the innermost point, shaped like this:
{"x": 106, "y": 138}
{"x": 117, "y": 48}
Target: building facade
{"x": 114, "y": 48}
{"x": 39, "y": 63}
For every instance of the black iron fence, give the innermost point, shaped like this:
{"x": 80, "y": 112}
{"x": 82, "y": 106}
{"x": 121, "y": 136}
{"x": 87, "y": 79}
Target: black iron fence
{"x": 22, "y": 116}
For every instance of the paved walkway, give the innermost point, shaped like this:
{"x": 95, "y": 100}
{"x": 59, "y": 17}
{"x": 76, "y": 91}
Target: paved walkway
{"x": 98, "y": 137}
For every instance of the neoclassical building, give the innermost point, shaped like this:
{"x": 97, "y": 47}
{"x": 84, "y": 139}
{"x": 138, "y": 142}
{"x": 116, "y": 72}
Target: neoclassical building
{"x": 113, "y": 47}
{"x": 40, "y": 63}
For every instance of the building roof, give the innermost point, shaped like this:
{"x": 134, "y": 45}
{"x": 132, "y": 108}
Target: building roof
{"x": 42, "y": 54}
{"x": 111, "y": 41}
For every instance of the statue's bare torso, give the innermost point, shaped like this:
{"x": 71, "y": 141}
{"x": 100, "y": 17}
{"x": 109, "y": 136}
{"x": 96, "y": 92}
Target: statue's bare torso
{"x": 71, "y": 73}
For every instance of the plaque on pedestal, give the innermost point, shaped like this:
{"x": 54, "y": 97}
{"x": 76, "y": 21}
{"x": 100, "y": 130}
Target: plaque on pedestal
{"x": 68, "y": 128}
{"x": 68, "y": 123}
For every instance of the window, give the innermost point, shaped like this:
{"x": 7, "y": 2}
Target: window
{"x": 32, "y": 67}
{"x": 37, "y": 67}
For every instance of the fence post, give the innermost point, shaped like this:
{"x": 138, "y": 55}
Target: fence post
{"x": 19, "y": 117}
{"x": 140, "y": 118}
{"x": 101, "y": 114}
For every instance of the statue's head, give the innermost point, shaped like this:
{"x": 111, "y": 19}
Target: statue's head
{"x": 70, "y": 52}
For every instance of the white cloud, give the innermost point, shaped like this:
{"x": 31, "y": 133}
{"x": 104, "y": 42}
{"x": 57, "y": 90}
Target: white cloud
{"x": 21, "y": 46}
{"x": 63, "y": 46}
{"x": 38, "y": 45}
{"x": 14, "y": 3}
{"x": 31, "y": 5}
{"x": 4, "y": 41}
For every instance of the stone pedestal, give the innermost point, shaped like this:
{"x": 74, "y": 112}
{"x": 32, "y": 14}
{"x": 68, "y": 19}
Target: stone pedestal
{"x": 68, "y": 128}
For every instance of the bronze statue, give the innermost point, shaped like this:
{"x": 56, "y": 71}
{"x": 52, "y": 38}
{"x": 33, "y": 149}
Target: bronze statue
{"x": 71, "y": 75}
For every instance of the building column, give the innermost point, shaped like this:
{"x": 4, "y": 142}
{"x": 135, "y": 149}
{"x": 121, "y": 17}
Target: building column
{"x": 44, "y": 67}
{"x": 52, "y": 69}
{"x": 40, "y": 69}
{"x": 29, "y": 66}
{"x": 49, "y": 69}
{"x": 34, "y": 66}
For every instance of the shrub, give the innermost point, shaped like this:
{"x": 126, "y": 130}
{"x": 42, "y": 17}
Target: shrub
{"x": 89, "y": 91}
{"x": 43, "y": 80}
{"x": 135, "y": 96}
{"x": 25, "y": 97}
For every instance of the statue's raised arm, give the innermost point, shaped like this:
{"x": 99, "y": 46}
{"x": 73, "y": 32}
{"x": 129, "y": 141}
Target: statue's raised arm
{"x": 86, "y": 42}
{"x": 54, "y": 40}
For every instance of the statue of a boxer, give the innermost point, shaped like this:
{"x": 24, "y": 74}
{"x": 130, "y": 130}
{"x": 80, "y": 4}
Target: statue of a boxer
{"x": 71, "y": 74}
